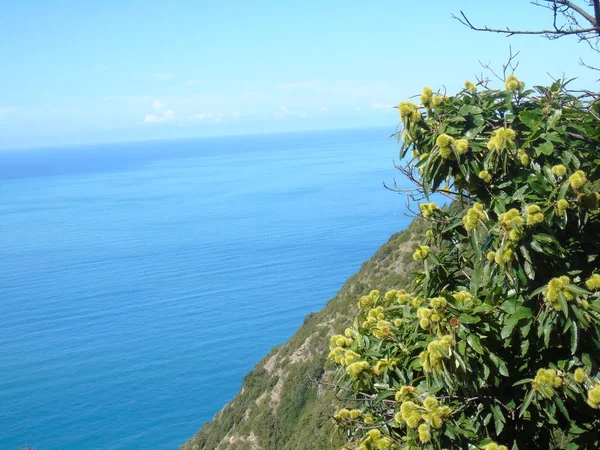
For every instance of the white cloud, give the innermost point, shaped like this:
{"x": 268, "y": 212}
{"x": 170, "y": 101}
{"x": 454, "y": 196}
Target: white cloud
{"x": 377, "y": 105}
{"x": 168, "y": 116}
{"x": 193, "y": 82}
{"x": 157, "y": 105}
{"x": 324, "y": 109}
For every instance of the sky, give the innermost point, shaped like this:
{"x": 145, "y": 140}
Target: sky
{"x": 81, "y": 72}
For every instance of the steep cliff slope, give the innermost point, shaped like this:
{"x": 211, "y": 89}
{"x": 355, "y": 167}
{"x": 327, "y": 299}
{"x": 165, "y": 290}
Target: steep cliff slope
{"x": 278, "y": 407}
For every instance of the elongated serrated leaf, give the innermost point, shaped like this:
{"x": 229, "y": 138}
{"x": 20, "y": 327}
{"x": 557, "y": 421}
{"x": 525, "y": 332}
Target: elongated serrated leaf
{"x": 523, "y": 381}
{"x": 526, "y": 402}
{"x": 561, "y": 407}
{"x": 574, "y": 337}
{"x": 577, "y": 290}
{"x": 475, "y": 343}
{"x": 499, "y": 419}
{"x": 563, "y": 304}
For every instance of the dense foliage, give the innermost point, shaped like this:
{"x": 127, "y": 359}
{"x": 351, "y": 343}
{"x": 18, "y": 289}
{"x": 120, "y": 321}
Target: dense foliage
{"x": 495, "y": 344}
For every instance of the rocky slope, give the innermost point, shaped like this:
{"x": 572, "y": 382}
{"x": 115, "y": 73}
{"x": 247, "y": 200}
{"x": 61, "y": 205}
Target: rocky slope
{"x": 284, "y": 403}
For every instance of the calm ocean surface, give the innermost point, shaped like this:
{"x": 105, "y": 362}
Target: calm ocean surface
{"x": 140, "y": 282}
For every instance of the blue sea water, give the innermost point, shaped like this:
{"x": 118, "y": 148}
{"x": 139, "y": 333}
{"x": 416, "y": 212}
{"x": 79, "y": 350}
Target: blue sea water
{"x": 140, "y": 282}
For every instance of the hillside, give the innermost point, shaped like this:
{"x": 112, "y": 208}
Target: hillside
{"x": 278, "y": 408}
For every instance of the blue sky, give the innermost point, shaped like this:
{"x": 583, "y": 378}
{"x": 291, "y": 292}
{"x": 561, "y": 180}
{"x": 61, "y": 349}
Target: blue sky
{"x": 84, "y": 71}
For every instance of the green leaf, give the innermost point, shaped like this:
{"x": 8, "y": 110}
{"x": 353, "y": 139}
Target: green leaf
{"x": 523, "y": 381}
{"x": 574, "y": 337}
{"x": 512, "y": 321}
{"x": 577, "y": 290}
{"x": 466, "y": 318}
{"x": 475, "y": 343}
{"x": 470, "y": 109}
{"x": 547, "y": 148}
{"x": 499, "y": 419}
{"x": 554, "y": 118}
{"x": 536, "y": 246}
{"x": 500, "y": 364}
{"x": 530, "y": 118}
{"x": 526, "y": 402}
{"x": 561, "y": 407}
{"x": 563, "y": 304}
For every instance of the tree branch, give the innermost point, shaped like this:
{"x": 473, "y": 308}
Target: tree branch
{"x": 510, "y": 32}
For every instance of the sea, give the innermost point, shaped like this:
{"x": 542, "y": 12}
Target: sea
{"x": 140, "y": 282}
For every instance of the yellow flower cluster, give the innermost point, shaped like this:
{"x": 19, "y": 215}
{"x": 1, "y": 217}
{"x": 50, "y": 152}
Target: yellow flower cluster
{"x": 402, "y": 297}
{"x": 376, "y": 440}
{"x": 369, "y": 301}
{"x": 512, "y": 222}
{"x": 404, "y": 393}
{"x": 448, "y": 145}
{"x": 593, "y": 282}
{"x": 556, "y": 287}
{"x": 429, "y": 234}
{"x": 427, "y": 97}
{"x": 421, "y": 252}
{"x": 437, "y": 100}
{"x": 383, "y": 364}
{"x": 375, "y": 314}
{"x": 444, "y": 142}
{"x": 341, "y": 341}
{"x": 561, "y": 206}
{"x": 494, "y": 446}
{"x": 512, "y": 83}
{"x": 578, "y": 179}
{"x": 534, "y": 215}
{"x": 501, "y": 138}
{"x": 559, "y": 170}
{"x": 546, "y": 381}
{"x": 463, "y": 297}
{"x": 390, "y": 296}
{"x": 355, "y": 369}
{"x": 523, "y": 157}
{"x": 347, "y": 414}
{"x": 409, "y": 111}
{"x": 461, "y": 146}
{"x": 426, "y": 416}
{"x": 474, "y": 216}
{"x": 424, "y": 314}
{"x": 485, "y": 176}
{"x": 431, "y": 359}
{"x": 343, "y": 356}
{"x": 427, "y": 209}
{"x": 580, "y": 375}
{"x": 594, "y": 396}
{"x": 424, "y": 435}
{"x": 383, "y": 329}
{"x": 470, "y": 86}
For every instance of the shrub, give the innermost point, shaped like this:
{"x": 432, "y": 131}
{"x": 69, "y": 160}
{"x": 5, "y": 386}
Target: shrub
{"x": 495, "y": 345}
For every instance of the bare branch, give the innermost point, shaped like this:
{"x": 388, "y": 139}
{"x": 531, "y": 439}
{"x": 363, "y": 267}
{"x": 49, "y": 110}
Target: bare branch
{"x": 593, "y": 20}
{"x": 510, "y": 32}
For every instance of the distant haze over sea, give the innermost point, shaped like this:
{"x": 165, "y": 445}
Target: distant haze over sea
{"x": 141, "y": 281}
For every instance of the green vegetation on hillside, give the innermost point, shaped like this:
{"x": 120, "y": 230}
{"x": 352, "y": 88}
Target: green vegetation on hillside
{"x": 495, "y": 343}
{"x": 279, "y": 407}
